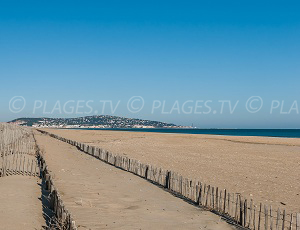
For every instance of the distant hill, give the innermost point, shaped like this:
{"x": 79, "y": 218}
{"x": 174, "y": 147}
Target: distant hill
{"x": 103, "y": 121}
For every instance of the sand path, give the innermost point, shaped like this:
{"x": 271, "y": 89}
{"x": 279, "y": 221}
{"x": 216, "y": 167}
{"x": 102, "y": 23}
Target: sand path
{"x": 20, "y": 207}
{"x": 100, "y": 196}
{"x": 264, "y": 169}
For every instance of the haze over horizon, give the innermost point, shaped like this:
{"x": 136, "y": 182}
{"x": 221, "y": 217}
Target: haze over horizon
{"x": 174, "y": 56}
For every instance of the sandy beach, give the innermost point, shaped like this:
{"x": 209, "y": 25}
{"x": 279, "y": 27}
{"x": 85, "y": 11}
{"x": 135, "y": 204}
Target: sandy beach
{"x": 100, "y": 196}
{"x": 260, "y": 168}
{"x": 21, "y": 207}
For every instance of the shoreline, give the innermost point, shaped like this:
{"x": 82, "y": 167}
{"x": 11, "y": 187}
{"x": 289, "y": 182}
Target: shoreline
{"x": 294, "y": 141}
{"x": 215, "y": 132}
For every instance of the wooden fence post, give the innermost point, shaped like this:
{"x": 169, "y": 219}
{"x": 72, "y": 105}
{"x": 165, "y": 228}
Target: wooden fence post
{"x": 241, "y": 212}
{"x": 283, "y": 219}
{"x": 271, "y": 218}
{"x": 266, "y": 217}
{"x": 224, "y": 205}
{"x": 167, "y": 180}
{"x": 217, "y": 199}
{"x": 228, "y": 205}
{"x": 277, "y": 219}
{"x": 254, "y": 217}
{"x": 297, "y": 221}
{"x": 250, "y": 213}
{"x": 212, "y": 204}
{"x": 291, "y": 222}
{"x": 245, "y": 212}
{"x": 259, "y": 216}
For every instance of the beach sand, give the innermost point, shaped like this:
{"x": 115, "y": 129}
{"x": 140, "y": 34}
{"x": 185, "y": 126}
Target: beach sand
{"x": 100, "y": 196}
{"x": 20, "y": 206}
{"x": 264, "y": 169}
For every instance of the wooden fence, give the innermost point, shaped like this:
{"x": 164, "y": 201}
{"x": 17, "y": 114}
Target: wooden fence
{"x": 19, "y": 164}
{"x": 20, "y": 155}
{"x": 65, "y": 220}
{"x": 232, "y": 206}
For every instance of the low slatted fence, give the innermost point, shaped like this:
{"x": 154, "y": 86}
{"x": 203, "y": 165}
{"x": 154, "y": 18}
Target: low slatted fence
{"x": 20, "y": 155}
{"x": 233, "y": 206}
{"x": 65, "y": 220}
{"x": 19, "y": 164}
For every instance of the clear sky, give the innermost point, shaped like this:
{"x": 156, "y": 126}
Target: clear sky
{"x": 160, "y": 50}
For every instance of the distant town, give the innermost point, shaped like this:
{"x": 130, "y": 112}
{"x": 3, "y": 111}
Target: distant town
{"x": 102, "y": 121}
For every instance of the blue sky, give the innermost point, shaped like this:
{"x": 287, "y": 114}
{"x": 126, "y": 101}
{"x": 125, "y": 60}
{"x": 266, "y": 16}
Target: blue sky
{"x": 159, "y": 50}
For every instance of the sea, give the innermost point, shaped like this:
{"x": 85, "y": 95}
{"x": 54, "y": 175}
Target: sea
{"x": 287, "y": 133}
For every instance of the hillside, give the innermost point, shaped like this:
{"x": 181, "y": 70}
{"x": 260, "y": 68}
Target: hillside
{"x": 103, "y": 121}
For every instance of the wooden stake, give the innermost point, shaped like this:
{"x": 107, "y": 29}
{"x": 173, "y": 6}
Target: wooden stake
{"x": 224, "y": 204}
{"x": 31, "y": 168}
{"x": 217, "y": 198}
{"x": 277, "y": 219}
{"x": 254, "y": 217}
{"x": 259, "y": 216}
{"x": 266, "y": 217}
{"x": 203, "y": 194}
{"x": 241, "y": 212}
{"x": 298, "y": 221}
{"x": 228, "y": 205}
{"x": 283, "y": 219}
{"x": 212, "y": 204}
{"x": 291, "y": 223}
{"x": 236, "y": 207}
{"x": 250, "y": 214}
{"x": 245, "y": 212}
{"x": 208, "y": 190}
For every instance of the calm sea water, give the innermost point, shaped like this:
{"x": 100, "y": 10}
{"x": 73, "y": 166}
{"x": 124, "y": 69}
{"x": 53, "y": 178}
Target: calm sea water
{"x": 289, "y": 133}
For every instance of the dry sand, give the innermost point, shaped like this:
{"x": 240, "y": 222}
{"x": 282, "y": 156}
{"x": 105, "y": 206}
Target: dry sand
{"x": 264, "y": 169}
{"x": 20, "y": 207}
{"x": 100, "y": 196}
